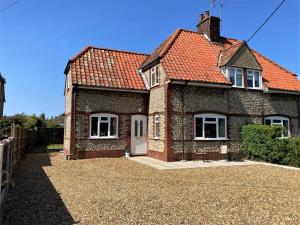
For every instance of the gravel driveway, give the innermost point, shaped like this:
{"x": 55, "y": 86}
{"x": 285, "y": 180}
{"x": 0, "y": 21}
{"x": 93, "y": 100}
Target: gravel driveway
{"x": 50, "y": 190}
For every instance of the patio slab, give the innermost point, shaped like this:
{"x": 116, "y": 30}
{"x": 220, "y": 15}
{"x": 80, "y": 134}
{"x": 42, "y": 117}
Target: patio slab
{"x": 162, "y": 165}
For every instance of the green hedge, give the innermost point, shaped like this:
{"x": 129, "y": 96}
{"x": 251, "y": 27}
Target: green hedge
{"x": 262, "y": 142}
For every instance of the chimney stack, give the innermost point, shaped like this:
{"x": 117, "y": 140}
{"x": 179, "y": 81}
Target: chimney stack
{"x": 210, "y": 26}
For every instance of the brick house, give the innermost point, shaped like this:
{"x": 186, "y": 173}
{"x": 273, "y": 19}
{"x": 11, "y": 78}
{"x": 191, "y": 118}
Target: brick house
{"x": 2, "y": 95}
{"x": 193, "y": 93}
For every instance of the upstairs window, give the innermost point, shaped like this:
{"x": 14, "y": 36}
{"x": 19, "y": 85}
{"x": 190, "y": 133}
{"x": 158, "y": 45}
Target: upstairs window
{"x": 156, "y": 126}
{"x": 254, "y": 79}
{"x": 236, "y": 77}
{"x": 103, "y": 126}
{"x": 154, "y": 76}
{"x": 210, "y": 127}
{"x": 279, "y": 121}
{"x": 68, "y": 81}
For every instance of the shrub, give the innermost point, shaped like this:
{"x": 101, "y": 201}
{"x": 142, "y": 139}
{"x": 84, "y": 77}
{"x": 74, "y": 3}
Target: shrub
{"x": 262, "y": 142}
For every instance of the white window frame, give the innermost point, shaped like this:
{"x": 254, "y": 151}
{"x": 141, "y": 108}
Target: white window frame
{"x": 154, "y": 76}
{"x": 156, "y": 126}
{"x": 217, "y": 117}
{"x": 235, "y": 75}
{"x": 68, "y": 81}
{"x": 109, "y": 116}
{"x": 253, "y": 81}
{"x": 281, "y": 118}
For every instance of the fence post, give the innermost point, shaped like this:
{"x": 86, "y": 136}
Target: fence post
{"x": 1, "y": 163}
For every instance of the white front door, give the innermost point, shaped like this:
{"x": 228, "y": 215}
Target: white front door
{"x": 138, "y": 135}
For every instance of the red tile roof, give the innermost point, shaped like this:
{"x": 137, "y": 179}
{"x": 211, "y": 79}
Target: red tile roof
{"x": 192, "y": 57}
{"x": 188, "y": 55}
{"x": 185, "y": 55}
{"x": 99, "y": 67}
{"x": 277, "y": 77}
{"x": 161, "y": 50}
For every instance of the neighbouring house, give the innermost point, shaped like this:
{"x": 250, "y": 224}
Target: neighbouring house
{"x": 193, "y": 93}
{"x": 2, "y": 95}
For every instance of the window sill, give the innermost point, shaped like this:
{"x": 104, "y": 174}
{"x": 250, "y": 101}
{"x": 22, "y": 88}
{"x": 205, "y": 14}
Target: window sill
{"x": 211, "y": 139}
{"x": 238, "y": 87}
{"x": 257, "y": 89}
{"x": 103, "y": 138}
{"x": 155, "y": 85}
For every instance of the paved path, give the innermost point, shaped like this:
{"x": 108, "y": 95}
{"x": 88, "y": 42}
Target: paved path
{"x": 162, "y": 165}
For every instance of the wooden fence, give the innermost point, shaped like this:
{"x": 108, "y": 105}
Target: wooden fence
{"x": 11, "y": 150}
{"x": 21, "y": 139}
{"x": 6, "y": 165}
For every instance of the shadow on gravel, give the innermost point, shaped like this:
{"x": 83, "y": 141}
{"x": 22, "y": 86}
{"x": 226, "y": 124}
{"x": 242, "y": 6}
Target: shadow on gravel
{"x": 33, "y": 199}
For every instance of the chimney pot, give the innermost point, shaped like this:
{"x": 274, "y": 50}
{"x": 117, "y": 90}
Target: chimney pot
{"x": 206, "y": 14}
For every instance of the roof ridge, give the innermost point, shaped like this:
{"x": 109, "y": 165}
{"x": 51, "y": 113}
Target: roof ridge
{"x": 162, "y": 49}
{"x": 119, "y": 50}
{"x": 274, "y": 63}
{"x": 239, "y": 43}
{"x": 106, "y": 49}
{"x": 196, "y": 32}
{"x": 174, "y": 36}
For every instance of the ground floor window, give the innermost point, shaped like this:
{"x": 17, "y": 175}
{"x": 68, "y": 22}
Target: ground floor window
{"x": 103, "y": 126}
{"x": 210, "y": 127}
{"x": 279, "y": 121}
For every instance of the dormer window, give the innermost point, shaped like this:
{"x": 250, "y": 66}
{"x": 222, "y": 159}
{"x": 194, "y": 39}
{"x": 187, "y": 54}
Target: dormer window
{"x": 235, "y": 75}
{"x": 154, "y": 76}
{"x": 254, "y": 79}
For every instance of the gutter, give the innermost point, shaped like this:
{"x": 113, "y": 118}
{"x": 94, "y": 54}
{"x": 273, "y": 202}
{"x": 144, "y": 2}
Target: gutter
{"x": 183, "y": 119}
{"x": 112, "y": 89}
{"x": 275, "y": 91}
{"x": 201, "y": 84}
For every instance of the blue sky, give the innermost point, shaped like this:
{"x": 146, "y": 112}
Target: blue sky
{"x": 37, "y": 37}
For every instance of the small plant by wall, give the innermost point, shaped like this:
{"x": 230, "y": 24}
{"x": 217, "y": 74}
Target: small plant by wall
{"x": 262, "y": 142}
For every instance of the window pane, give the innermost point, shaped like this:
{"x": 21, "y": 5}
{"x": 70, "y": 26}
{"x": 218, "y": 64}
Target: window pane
{"x": 104, "y": 118}
{"x": 286, "y": 126}
{"x": 268, "y": 122}
{"x": 208, "y": 119}
{"x": 277, "y": 121}
{"x": 141, "y": 128}
{"x": 113, "y": 126}
{"x": 156, "y": 129}
{"x": 239, "y": 70}
{"x": 221, "y": 127}
{"x": 103, "y": 129}
{"x": 157, "y": 76}
{"x": 231, "y": 76}
{"x": 198, "y": 125}
{"x": 135, "y": 128}
{"x": 250, "y": 80}
{"x": 210, "y": 130}
{"x": 257, "y": 79}
{"x": 152, "y": 79}
{"x": 94, "y": 126}
{"x": 239, "y": 80}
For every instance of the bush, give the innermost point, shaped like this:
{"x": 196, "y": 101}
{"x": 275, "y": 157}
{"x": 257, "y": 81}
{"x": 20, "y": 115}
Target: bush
{"x": 262, "y": 142}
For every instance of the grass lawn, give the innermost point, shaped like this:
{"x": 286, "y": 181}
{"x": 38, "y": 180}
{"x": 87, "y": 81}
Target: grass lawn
{"x": 50, "y": 190}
